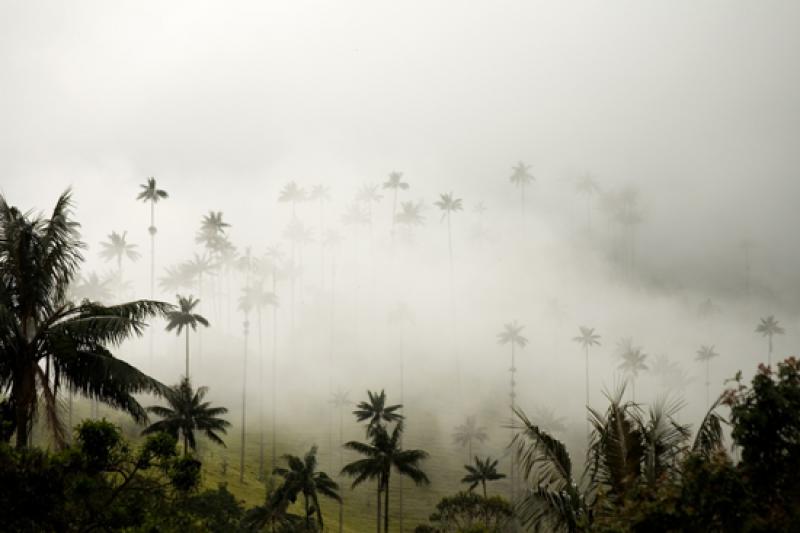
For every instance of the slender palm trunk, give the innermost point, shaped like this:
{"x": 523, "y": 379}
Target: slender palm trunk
{"x": 187, "y": 352}
{"x": 260, "y": 398}
{"x": 152, "y": 272}
{"x": 274, "y": 376}
{"x": 402, "y": 402}
{"x": 708, "y": 381}
{"x": 386, "y": 507}
{"x": 244, "y": 399}
{"x": 587, "y": 390}
{"x": 341, "y": 465}
{"x": 769, "y": 352}
{"x": 513, "y": 406}
{"x": 185, "y": 444}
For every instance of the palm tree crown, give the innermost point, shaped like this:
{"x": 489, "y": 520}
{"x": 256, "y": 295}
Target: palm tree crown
{"x": 183, "y": 317}
{"x": 151, "y": 193}
{"x": 512, "y": 334}
{"x": 395, "y": 182}
{"x": 482, "y": 471}
{"x": 587, "y": 338}
{"x": 469, "y": 432}
{"x": 376, "y": 411}
{"x": 448, "y": 203}
{"x": 187, "y": 413}
{"x": 521, "y": 175}
{"x": 117, "y": 247}
{"x": 302, "y": 477}
{"x": 706, "y": 353}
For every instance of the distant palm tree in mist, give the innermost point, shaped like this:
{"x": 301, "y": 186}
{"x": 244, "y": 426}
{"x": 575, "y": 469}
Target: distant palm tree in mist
{"x": 184, "y": 318}
{"x": 468, "y": 433}
{"x": 705, "y": 354}
{"x": 292, "y": 194}
{"x": 395, "y": 183}
{"x": 117, "y": 248}
{"x": 152, "y": 194}
{"x": 769, "y": 327}
{"x": 521, "y": 178}
{"x": 245, "y": 306}
{"x": 587, "y": 186}
{"x": 410, "y": 216}
{"x": 213, "y": 237}
{"x": 512, "y": 334}
{"x": 587, "y": 339}
{"x": 274, "y": 257}
{"x": 91, "y": 287}
{"x": 633, "y": 362}
{"x": 449, "y": 204}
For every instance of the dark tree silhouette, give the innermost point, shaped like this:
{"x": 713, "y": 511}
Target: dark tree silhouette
{"x": 183, "y": 318}
{"x": 302, "y": 478}
{"x": 48, "y": 342}
{"x": 481, "y": 472}
{"x": 187, "y": 413}
{"x": 152, "y": 194}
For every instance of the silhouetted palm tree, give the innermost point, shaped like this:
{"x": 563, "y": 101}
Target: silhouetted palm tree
{"x": 187, "y": 413}
{"x": 512, "y": 334}
{"x": 382, "y": 455}
{"x": 274, "y": 256}
{"x": 184, "y": 318}
{"x": 769, "y": 327}
{"x": 705, "y": 354}
{"x": 482, "y": 471}
{"x": 468, "y": 433}
{"x": 375, "y": 411}
{"x": 303, "y": 478}
{"x": 521, "y": 177}
{"x": 395, "y": 183}
{"x": 57, "y": 343}
{"x": 116, "y": 248}
{"x": 587, "y": 338}
{"x": 151, "y": 193}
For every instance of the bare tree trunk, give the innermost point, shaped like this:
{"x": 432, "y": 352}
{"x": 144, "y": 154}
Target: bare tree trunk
{"x": 244, "y": 399}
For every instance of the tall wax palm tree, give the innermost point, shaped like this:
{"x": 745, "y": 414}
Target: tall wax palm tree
{"x": 449, "y": 204}
{"x": 468, "y": 433}
{"x": 587, "y": 339}
{"x": 375, "y": 412}
{"x": 302, "y": 477}
{"x": 587, "y": 185}
{"x": 187, "y": 413}
{"x": 769, "y": 327}
{"x": 184, "y": 318}
{"x": 176, "y": 278}
{"x": 521, "y": 177}
{"x": 705, "y": 354}
{"x": 48, "y": 342}
{"x": 481, "y": 472}
{"x": 299, "y": 235}
{"x": 512, "y": 334}
{"x": 212, "y": 235}
{"x": 117, "y": 248}
{"x": 151, "y": 193}
{"x": 633, "y": 362}
{"x": 381, "y": 456}
{"x": 395, "y": 183}
{"x": 246, "y": 306}
{"x": 292, "y": 194}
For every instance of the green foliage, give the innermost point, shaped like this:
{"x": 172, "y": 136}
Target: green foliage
{"x": 467, "y": 512}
